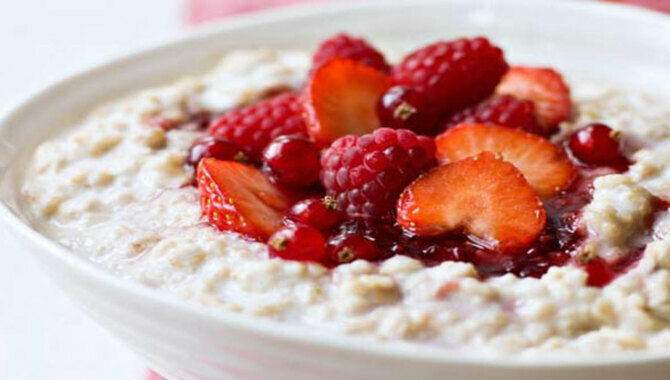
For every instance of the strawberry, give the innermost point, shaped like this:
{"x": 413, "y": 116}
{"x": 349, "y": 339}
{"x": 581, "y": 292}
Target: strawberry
{"x": 545, "y": 88}
{"x": 341, "y": 99}
{"x": 237, "y": 197}
{"x": 485, "y": 196}
{"x": 546, "y": 166}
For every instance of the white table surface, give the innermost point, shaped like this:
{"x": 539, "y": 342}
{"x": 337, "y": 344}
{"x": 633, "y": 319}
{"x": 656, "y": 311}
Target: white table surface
{"x": 42, "y": 334}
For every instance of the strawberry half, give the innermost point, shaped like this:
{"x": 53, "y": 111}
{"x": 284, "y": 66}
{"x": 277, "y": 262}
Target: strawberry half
{"x": 238, "y": 197}
{"x": 341, "y": 99}
{"x": 546, "y": 166}
{"x": 545, "y": 88}
{"x": 484, "y": 196}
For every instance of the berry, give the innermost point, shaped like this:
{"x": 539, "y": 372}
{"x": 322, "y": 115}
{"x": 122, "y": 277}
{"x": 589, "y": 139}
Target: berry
{"x": 345, "y": 46}
{"x": 454, "y": 74}
{"x": 297, "y": 242}
{"x": 341, "y": 99}
{"x": 596, "y": 144}
{"x": 345, "y": 248}
{"x": 212, "y": 147}
{"x": 238, "y": 197}
{"x": 254, "y": 126}
{"x": 292, "y": 161}
{"x": 546, "y": 167}
{"x": 403, "y": 107}
{"x": 483, "y": 195}
{"x": 365, "y": 174}
{"x": 320, "y": 213}
{"x": 504, "y": 110}
{"x": 545, "y": 88}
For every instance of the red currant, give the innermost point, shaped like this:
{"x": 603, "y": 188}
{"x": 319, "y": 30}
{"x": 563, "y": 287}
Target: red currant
{"x": 596, "y": 144}
{"x": 215, "y": 148}
{"x": 292, "y": 160}
{"x": 297, "y": 242}
{"x": 319, "y": 213}
{"x": 402, "y": 107}
{"x": 348, "y": 247}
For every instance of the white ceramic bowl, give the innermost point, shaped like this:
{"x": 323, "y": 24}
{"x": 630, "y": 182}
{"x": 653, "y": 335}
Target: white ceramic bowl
{"x": 614, "y": 44}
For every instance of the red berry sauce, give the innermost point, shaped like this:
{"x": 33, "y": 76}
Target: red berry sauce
{"x": 561, "y": 238}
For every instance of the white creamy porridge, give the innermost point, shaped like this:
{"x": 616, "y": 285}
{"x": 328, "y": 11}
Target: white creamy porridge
{"x": 115, "y": 191}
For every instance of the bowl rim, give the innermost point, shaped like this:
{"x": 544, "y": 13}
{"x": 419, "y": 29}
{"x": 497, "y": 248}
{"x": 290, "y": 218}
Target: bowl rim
{"x": 265, "y": 326}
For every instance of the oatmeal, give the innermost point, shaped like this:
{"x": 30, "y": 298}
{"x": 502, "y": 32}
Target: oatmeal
{"x": 586, "y": 267}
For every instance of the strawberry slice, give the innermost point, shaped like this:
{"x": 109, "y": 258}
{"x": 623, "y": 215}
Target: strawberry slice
{"x": 341, "y": 99}
{"x": 485, "y": 196}
{"x": 238, "y": 197}
{"x": 545, "y": 88}
{"x": 546, "y": 166}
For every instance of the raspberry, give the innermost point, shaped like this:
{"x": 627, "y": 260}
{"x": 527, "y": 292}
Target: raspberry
{"x": 345, "y": 46}
{"x": 453, "y": 75}
{"x": 292, "y": 161}
{"x": 254, "y": 126}
{"x": 505, "y": 110}
{"x": 366, "y": 173}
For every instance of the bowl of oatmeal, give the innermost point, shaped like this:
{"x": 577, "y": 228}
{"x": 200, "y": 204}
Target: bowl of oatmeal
{"x": 478, "y": 192}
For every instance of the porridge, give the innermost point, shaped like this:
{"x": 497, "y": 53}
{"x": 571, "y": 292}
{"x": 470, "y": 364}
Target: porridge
{"x": 535, "y": 221}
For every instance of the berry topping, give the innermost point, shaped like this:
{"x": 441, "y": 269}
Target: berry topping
{"x": 596, "y": 144}
{"x": 341, "y": 99}
{"x": 320, "y": 213}
{"x": 297, "y": 242}
{"x": 254, "y": 126}
{"x": 546, "y": 166}
{"x": 545, "y": 88}
{"x": 452, "y": 75}
{"x": 601, "y": 272}
{"x": 403, "y": 107}
{"x": 345, "y": 46}
{"x": 212, "y": 147}
{"x": 485, "y": 196}
{"x": 292, "y": 161}
{"x": 365, "y": 174}
{"x": 238, "y": 197}
{"x": 504, "y": 110}
{"x": 348, "y": 247}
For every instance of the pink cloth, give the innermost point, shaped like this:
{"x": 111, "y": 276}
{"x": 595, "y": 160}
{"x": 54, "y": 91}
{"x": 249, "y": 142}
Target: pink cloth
{"x": 204, "y": 10}
{"x": 659, "y": 5}
{"x": 151, "y": 375}
{"x": 198, "y": 11}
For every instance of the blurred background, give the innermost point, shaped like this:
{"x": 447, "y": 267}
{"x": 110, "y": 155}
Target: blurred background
{"x": 42, "y": 335}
